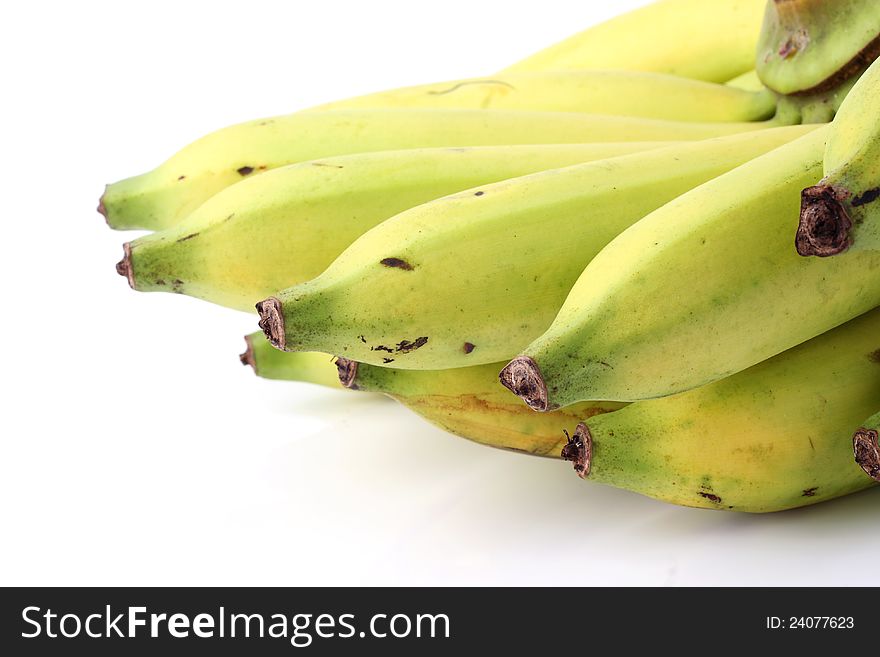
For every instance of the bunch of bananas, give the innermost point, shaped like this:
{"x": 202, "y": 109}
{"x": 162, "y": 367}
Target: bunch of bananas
{"x": 622, "y": 226}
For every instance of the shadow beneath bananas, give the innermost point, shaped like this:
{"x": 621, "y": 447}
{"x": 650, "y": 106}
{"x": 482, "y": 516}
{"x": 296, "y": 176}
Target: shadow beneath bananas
{"x": 512, "y": 515}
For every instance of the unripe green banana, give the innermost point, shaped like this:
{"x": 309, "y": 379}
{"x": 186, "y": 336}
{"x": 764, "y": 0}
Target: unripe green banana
{"x": 304, "y": 366}
{"x": 704, "y": 287}
{"x": 620, "y": 93}
{"x": 843, "y": 210}
{"x": 284, "y": 227}
{"x": 712, "y": 41}
{"x": 467, "y": 401}
{"x": 473, "y": 277}
{"x": 865, "y": 445}
{"x": 164, "y": 196}
{"x": 775, "y": 436}
{"x": 808, "y": 46}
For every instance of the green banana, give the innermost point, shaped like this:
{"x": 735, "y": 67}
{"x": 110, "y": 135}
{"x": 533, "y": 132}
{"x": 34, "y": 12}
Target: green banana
{"x": 700, "y": 289}
{"x": 773, "y": 437}
{"x": 304, "y": 366}
{"x": 472, "y": 277}
{"x": 807, "y": 46}
{"x": 621, "y": 93}
{"x": 468, "y": 401}
{"x": 286, "y": 226}
{"x": 866, "y": 447}
{"x": 843, "y": 211}
{"x": 712, "y": 41}
{"x": 164, "y": 196}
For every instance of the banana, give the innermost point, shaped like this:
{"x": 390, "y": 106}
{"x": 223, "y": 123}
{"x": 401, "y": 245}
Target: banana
{"x": 748, "y": 81}
{"x": 843, "y": 211}
{"x": 704, "y": 287}
{"x": 866, "y": 447}
{"x": 807, "y": 46}
{"x": 284, "y": 227}
{"x": 162, "y": 197}
{"x": 711, "y": 41}
{"x": 621, "y": 93}
{"x": 468, "y": 401}
{"x": 303, "y": 366}
{"x": 472, "y": 277}
{"x": 773, "y": 437}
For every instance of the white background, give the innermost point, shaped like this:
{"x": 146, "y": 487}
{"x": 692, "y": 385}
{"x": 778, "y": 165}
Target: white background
{"x": 137, "y": 450}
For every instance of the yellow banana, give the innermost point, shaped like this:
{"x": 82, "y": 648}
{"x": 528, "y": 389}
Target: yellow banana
{"x": 749, "y": 81}
{"x": 775, "y": 436}
{"x": 468, "y": 401}
{"x": 284, "y": 227}
{"x": 843, "y": 210}
{"x": 700, "y": 289}
{"x": 473, "y": 277}
{"x": 164, "y": 196}
{"x": 866, "y": 447}
{"x": 712, "y": 41}
{"x": 621, "y": 93}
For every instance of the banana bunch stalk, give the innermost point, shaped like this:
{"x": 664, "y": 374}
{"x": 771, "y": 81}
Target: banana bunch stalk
{"x": 603, "y": 229}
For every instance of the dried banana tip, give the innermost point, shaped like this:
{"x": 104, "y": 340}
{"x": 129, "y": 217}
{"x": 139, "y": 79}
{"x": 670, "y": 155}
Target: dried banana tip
{"x": 272, "y": 321}
{"x": 522, "y": 377}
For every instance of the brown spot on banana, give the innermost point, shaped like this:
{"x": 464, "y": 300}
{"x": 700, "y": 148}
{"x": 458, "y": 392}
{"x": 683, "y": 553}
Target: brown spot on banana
{"x": 522, "y": 377}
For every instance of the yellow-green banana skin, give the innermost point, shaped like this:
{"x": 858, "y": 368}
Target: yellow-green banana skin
{"x": 866, "y": 447}
{"x": 468, "y": 402}
{"x": 842, "y": 212}
{"x": 775, "y": 436}
{"x": 286, "y": 226}
{"x": 164, "y": 196}
{"x": 712, "y": 41}
{"x": 704, "y": 287}
{"x": 621, "y": 93}
{"x": 471, "y": 278}
{"x": 303, "y": 366}
{"x": 808, "y": 45}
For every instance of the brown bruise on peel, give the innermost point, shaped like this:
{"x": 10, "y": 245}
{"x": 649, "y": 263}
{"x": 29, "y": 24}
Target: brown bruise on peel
{"x": 810, "y": 492}
{"x": 272, "y": 322}
{"x": 247, "y": 358}
{"x": 579, "y": 450}
{"x": 405, "y": 346}
{"x": 124, "y": 268}
{"x": 397, "y": 263}
{"x": 468, "y": 347}
{"x": 823, "y": 229}
{"x": 347, "y": 370}
{"x": 244, "y": 171}
{"x": 867, "y": 452}
{"x": 868, "y": 196}
{"x": 522, "y": 377}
